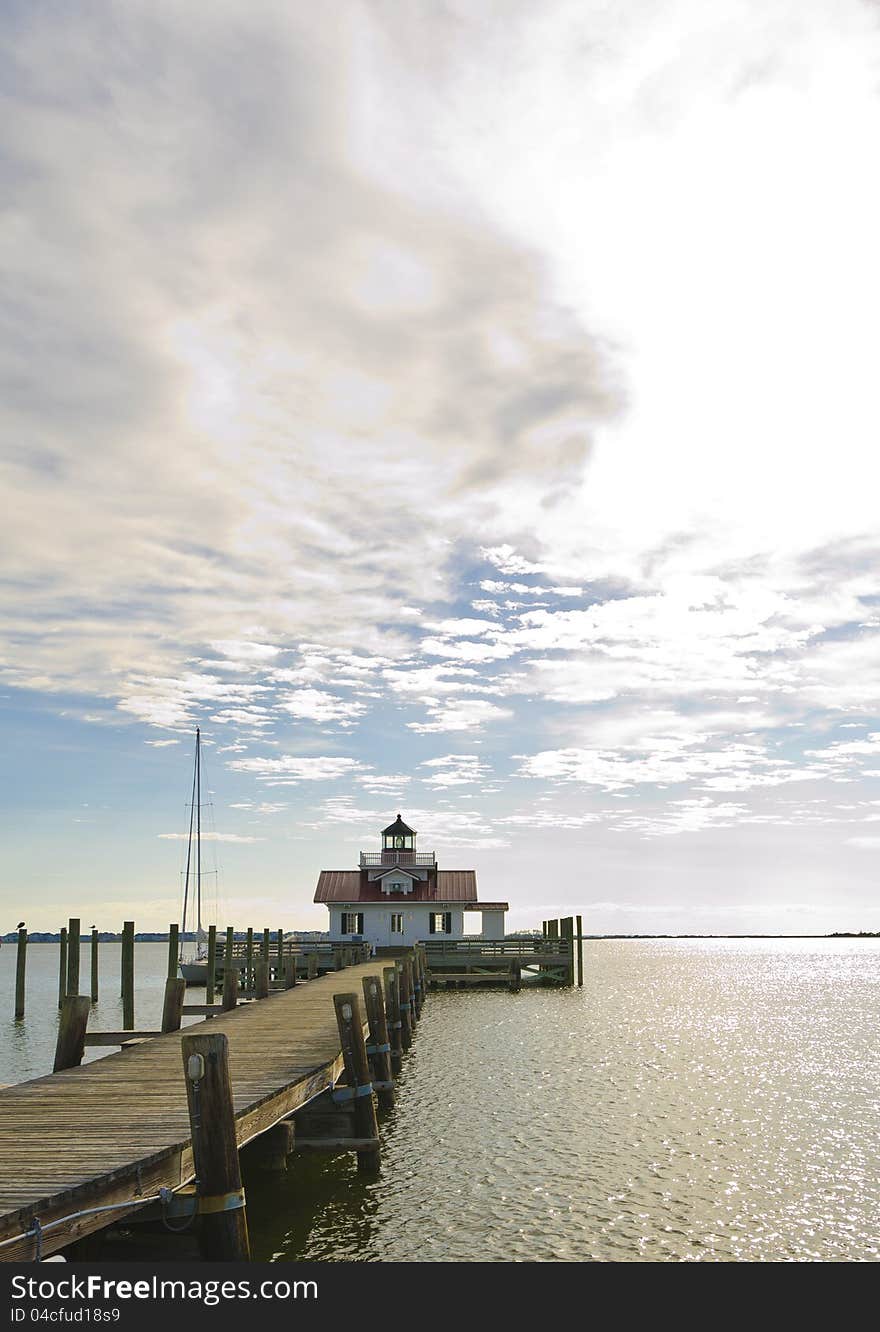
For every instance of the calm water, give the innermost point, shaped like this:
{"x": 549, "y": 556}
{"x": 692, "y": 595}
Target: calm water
{"x": 707, "y": 1101}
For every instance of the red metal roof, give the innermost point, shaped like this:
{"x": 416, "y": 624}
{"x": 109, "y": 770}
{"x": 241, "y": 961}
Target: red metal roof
{"x": 345, "y": 886}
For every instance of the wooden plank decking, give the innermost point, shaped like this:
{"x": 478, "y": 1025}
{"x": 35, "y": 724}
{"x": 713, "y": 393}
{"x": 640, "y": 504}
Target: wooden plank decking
{"x": 118, "y": 1128}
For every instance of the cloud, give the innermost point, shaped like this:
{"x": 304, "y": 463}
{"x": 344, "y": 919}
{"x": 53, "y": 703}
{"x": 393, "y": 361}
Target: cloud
{"x": 455, "y": 770}
{"x": 292, "y": 768}
{"x": 208, "y": 837}
{"x": 466, "y": 714}
{"x": 316, "y": 705}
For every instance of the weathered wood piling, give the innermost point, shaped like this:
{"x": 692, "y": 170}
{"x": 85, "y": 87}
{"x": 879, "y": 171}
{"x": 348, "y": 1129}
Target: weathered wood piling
{"x": 20, "y": 971}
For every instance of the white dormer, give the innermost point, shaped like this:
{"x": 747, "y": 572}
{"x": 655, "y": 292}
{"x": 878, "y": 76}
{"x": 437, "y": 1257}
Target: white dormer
{"x": 397, "y": 880}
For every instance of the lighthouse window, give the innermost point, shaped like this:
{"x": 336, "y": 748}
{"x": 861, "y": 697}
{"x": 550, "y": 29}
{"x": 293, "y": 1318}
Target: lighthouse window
{"x": 397, "y": 922}
{"x": 352, "y": 922}
{"x": 397, "y": 885}
{"x": 440, "y": 922}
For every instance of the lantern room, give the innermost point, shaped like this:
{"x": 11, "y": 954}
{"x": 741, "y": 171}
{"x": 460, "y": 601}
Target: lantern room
{"x": 397, "y": 837}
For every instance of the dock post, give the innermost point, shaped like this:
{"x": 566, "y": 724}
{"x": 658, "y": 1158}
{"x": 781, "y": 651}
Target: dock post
{"x": 261, "y": 979}
{"x": 93, "y": 992}
{"x": 172, "y": 1007}
{"x": 173, "y": 950}
{"x": 128, "y": 975}
{"x": 62, "y": 966}
{"x": 71, "y": 1043}
{"x": 223, "y": 1231}
{"x": 416, "y": 985}
{"x": 566, "y": 931}
{"x": 230, "y": 989}
{"x": 279, "y": 951}
{"x": 289, "y": 972}
{"x": 20, "y": 965}
{"x": 514, "y": 983}
{"x": 423, "y": 963}
{"x": 391, "y": 980}
{"x": 266, "y": 951}
{"x": 357, "y": 1068}
{"x": 580, "y": 950}
{"x": 405, "y": 1005}
{"x": 415, "y": 993}
{"x": 312, "y": 966}
{"x": 210, "y": 983}
{"x": 73, "y": 950}
{"x": 249, "y": 961}
{"x": 379, "y": 1048}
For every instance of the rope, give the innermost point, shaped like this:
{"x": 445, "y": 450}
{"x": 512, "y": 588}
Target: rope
{"x": 38, "y": 1228}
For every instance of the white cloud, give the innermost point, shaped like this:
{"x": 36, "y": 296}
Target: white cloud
{"x": 294, "y": 768}
{"x": 208, "y": 837}
{"x": 466, "y": 714}
{"x": 319, "y": 706}
{"x": 455, "y": 770}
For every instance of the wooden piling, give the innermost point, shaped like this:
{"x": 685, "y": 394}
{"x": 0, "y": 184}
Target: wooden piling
{"x": 279, "y": 954}
{"x": 416, "y": 986}
{"x": 229, "y": 947}
{"x": 223, "y": 1231}
{"x": 380, "y": 1046}
{"x": 172, "y": 1007}
{"x": 71, "y": 1043}
{"x": 62, "y": 966}
{"x": 20, "y": 971}
{"x": 128, "y": 975}
{"x": 391, "y": 981}
{"x": 249, "y": 961}
{"x": 357, "y": 1069}
{"x": 93, "y": 988}
{"x": 312, "y": 966}
{"x": 173, "y": 950}
{"x": 566, "y": 932}
{"x": 289, "y": 972}
{"x": 211, "y": 983}
{"x": 514, "y": 983}
{"x": 266, "y": 950}
{"x": 405, "y": 983}
{"x": 73, "y": 955}
{"x": 261, "y": 978}
{"x": 270, "y": 1150}
{"x": 580, "y": 950}
{"x": 230, "y": 988}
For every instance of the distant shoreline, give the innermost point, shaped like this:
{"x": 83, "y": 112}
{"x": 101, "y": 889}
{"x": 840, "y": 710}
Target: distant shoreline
{"x": 106, "y": 936}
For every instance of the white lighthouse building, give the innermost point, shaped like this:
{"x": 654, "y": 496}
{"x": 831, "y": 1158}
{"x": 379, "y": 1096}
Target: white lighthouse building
{"x": 399, "y": 896}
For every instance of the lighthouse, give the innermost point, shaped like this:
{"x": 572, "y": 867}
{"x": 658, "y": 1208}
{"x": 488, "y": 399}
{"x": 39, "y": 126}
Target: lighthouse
{"x": 399, "y": 896}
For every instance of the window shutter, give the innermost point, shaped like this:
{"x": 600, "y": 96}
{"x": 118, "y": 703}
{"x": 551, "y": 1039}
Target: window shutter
{"x": 447, "y": 922}
{"x": 432, "y": 924}
{"x": 360, "y": 923}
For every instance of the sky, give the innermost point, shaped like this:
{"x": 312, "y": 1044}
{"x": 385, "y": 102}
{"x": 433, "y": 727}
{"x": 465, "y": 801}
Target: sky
{"x": 466, "y": 410}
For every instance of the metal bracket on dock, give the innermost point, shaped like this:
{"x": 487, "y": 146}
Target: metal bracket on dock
{"x": 187, "y": 1203}
{"x": 341, "y": 1094}
{"x": 222, "y": 1202}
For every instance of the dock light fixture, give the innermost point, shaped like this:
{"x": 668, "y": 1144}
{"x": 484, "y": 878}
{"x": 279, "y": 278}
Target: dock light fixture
{"x": 195, "y": 1067}
{"x": 346, "y": 1012}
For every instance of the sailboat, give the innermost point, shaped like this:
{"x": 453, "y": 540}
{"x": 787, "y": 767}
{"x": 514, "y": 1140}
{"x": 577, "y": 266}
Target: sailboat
{"x": 194, "y": 969}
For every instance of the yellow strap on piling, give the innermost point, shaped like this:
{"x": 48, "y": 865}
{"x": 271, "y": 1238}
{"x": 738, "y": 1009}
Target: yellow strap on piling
{"x": 222, "y": 1202}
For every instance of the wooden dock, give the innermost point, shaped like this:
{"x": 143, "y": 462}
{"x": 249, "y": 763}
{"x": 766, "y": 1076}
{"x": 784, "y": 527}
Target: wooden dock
{"x": 113, "y": 1132}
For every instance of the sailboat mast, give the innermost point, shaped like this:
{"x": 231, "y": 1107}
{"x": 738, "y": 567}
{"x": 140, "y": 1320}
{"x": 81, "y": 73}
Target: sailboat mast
{"x": 192, "y": 806}
{"x": 198, "y": 835}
